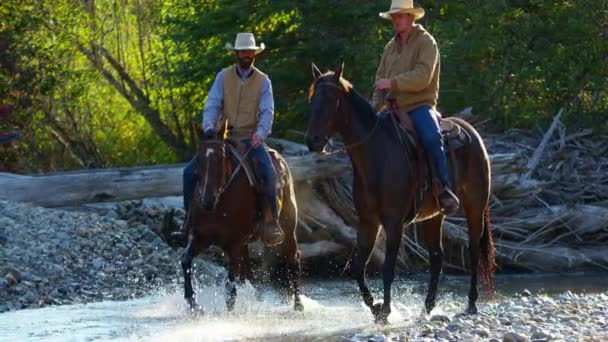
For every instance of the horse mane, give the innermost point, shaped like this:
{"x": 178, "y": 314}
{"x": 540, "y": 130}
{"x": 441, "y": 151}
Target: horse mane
{"x": 359, "y": 102}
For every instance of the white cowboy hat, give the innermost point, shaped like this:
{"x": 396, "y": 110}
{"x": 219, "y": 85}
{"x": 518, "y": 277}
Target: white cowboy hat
{"x": 403, "y": 6}
{"x": 245, "y": 41}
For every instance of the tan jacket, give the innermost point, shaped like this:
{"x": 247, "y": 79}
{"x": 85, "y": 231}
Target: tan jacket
{"x": 242, "y": 101}
{"x": 413, "y": 70}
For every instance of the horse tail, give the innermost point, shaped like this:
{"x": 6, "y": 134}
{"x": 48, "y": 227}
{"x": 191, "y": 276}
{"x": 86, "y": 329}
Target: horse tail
{"x": 487, "y": 261}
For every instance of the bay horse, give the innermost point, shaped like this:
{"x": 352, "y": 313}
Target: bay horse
{"x": 224, "y": 212}
{"x": 385, "y": 188}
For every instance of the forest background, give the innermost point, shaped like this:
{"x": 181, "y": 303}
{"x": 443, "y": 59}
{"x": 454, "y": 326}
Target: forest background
{"x": 104, "y": 83}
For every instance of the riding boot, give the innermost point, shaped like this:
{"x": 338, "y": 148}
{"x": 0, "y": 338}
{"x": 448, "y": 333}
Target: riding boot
{"x": 448, "y": 201}
{"x": 272, "y": 234}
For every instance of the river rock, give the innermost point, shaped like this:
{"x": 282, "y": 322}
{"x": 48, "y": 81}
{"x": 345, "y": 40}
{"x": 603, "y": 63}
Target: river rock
{"x": 481, "y": 332}
{"x": 513, "y": 337}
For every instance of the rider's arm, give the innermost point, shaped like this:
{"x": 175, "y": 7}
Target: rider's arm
{"x": 266, "y": 110}
{"x": 213, "y": 106}
{"x": 420, "y": 77}
{"x": 378, "y": 96}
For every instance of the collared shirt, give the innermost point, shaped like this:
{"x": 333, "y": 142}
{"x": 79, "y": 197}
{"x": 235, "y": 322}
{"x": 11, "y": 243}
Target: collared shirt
{"x": 215, "y": 100}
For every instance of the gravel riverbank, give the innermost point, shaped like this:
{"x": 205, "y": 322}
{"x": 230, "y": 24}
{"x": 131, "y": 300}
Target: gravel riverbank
{"x": 54, "y": 256}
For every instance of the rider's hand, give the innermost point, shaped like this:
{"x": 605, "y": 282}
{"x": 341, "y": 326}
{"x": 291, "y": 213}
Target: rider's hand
{"x": 256, "y": 141}
{"x": 383, "y": 84}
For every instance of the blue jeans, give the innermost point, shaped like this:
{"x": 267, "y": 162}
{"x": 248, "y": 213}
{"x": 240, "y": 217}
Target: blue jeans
{"x": 266, "y": 169}
{"x": 427, "y": 128}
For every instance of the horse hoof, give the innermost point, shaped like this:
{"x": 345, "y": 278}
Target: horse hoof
{"x": 380, "y": 314}
{"x": 298, "y": 306}
{"x": 195, "y": 308}
{"x": 428, "y": 307}
{"x": 471, "y": 310}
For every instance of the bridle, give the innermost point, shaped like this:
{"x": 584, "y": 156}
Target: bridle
{"x": 338, "y": 103}
{"x": 236, "y": 170}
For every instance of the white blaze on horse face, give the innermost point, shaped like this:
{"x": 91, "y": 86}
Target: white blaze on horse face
{"x": 209, "y": 152}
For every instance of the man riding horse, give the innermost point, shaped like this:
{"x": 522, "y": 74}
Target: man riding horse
{"x": 241, "y": 100}
{"x": 408, "y": 79}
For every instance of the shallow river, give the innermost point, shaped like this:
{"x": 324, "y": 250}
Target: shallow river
{"x": 333, "y": 311}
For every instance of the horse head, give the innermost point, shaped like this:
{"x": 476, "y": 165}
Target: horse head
{"x": 326, "y": 94}
{"x": 211, "y": 171}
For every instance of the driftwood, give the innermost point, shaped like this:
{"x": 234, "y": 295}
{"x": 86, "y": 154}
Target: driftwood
{"x": 533, "y": 162}
{"x": 557, "y": 219}
{"x": 97, "y": 185}
{"x": 86, "y": 186}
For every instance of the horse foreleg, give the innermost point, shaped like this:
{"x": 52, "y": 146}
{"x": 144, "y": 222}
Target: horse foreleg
{"x": 366, "y": 238}
{"x": 234, "y": 268}
{"x": 245, "y": 265}
{"x": 394, "y": 230}
{"x": 186, "y": 263}
{"x": 431, "y": 232}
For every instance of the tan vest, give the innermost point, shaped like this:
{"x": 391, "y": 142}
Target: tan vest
{"x": 242, "y": 102}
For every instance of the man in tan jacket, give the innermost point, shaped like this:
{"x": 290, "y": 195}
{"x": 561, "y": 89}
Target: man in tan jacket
{"x": 408, "y": 79}
{"x": 241, "y": 96}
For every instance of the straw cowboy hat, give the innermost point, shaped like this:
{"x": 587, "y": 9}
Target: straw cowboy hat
{"x": 403, "y": 6}
{"x": 245, "y": 41}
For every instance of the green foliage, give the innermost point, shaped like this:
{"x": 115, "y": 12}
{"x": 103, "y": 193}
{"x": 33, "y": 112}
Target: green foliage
{"x": 515, "y": 62}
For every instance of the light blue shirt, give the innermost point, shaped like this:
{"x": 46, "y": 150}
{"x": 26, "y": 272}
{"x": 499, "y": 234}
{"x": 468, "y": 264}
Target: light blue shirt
{"x": 215, "y": 103}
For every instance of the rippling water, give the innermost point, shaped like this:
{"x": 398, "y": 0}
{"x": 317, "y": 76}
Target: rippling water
{"x": 333, "y": 309}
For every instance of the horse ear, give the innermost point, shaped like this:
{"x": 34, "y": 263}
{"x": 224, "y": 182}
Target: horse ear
{"x": 316, "y": 73}
{"x": 340, "y": 71}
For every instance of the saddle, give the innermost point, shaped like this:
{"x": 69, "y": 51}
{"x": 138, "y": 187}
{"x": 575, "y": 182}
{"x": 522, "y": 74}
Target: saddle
{"x": 454, "y": 138}
{"x": 239, "y": 156}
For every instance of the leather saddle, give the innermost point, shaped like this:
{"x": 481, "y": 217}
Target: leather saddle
{"x": 454, "y": 138}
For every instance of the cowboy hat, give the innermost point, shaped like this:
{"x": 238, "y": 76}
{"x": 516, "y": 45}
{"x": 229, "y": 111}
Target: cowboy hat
{"x": 403, "y": 6}
{"x": 245, "y": 41}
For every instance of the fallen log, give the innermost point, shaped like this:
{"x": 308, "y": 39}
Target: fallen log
{"x": 86, "y": 186}
{"x": 118, "y": 184}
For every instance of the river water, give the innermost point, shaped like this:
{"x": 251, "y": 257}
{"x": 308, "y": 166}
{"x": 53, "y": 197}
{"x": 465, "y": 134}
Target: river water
{"x": 333, "y": 311}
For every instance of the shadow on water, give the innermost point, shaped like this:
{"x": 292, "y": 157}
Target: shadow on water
{"x": 333, "y": 308}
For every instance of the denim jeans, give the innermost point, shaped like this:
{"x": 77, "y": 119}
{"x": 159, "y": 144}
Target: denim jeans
{"x": 427, "y": 128}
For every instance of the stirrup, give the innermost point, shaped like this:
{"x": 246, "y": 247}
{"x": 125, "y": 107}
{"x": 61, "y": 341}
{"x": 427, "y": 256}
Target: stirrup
{"x": 448, "y": 202}
{"x": 272, "y": 233}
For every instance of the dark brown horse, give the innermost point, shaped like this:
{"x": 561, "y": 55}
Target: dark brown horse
{"x": 385, "y": 188}
{"x": 223, "y": 212}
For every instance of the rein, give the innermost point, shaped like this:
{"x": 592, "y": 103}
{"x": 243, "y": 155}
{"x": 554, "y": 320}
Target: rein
{"x": 224, "y": 187}
{"x": 234, "y": 173}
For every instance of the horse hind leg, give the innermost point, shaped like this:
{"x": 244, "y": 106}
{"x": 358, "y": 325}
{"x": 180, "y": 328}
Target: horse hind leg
{"x": 290, "y": 258}
{"x": 431, "y": 232}
{"x": 475, "y": 222}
